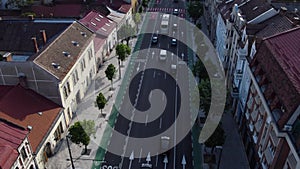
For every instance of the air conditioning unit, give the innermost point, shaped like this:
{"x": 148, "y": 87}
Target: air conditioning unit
{"x": 287, "y": 127}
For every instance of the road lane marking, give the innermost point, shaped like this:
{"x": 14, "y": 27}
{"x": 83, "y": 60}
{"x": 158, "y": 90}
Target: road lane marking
{"x": 163, "y": 97}
{"x": 160, "y": 122}
{"x": 140, "y": 155}
{"x": 154, "y": 74}
{"x": 156, "y": 159}
{"x": 165, "y": 75}
{"x": 146, "y": 120}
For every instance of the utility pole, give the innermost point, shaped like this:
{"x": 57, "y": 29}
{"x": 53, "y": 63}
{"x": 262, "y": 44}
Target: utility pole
{"x": 67, "y": 137}
{"x": 119, "y": 68}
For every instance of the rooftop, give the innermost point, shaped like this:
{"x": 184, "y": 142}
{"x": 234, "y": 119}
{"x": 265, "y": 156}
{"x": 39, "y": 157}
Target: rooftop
{"x": 11, "y": 137}
{"x": 58, "y": 10}
{"x": 98, "y": 23}
{"x": 15, "y": 36}
{"x": 274, "y": 25}
{"x": 253, "y": 8}
{"x": 277, "y": 61}
{"x": 225, "y": 7}
{"x": 60, "y": 56}
{"x": 25, "y": 114}
{"x": 117, "y": 5}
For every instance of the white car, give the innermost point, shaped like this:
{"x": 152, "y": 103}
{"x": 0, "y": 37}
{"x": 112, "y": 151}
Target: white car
{"x": 146, "y": 165}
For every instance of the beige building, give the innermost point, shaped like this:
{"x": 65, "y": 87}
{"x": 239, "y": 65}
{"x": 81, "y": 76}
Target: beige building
{"x": 60, "y": 67}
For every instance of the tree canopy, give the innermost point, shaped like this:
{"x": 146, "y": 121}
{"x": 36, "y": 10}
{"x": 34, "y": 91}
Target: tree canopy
{"x": 101, "y": 101}
{"x": 122, "y": 51}
{"x": 110, "y": 73}
{"x": 205, "y": 94}
{"x": 126, "y": 32}
{"x": 195, "y": 9}
{"x": 217, "y": 138}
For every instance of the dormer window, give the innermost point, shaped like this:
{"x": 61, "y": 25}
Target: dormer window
{"x": 107, "y": 24}
{"x": 110, "y": 21}
{"x": 103, "y": 29}
{"x": 97, "y": 19}
{"x": 56, "y": 65}
{"x": 100, "y": 16}
{"x": 66, "y": 54}
{"x": 75, "y": 43}
{"x": 83, "y": 34}
{"x": 93, "y": 24}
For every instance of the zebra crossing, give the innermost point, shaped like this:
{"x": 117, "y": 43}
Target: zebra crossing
{"x": 165, "y": 10}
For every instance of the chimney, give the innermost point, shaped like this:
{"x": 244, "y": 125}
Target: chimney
{"x": 43, "y": 32}
{"x": 36, "y": 49}
{"x": 283, "y": 10}
{"x": 31, "y": 17}
{"x": 23, "y": 80}
{"x": 296, "y": 20}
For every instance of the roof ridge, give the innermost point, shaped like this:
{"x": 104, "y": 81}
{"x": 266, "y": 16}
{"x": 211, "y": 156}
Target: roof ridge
{"x": 281, "y": 33}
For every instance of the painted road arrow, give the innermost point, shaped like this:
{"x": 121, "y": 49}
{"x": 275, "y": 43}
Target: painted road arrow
{"x": 148, "y": 159}
{"x": 131, "y": 158}
{"x": 165, "y": 161}
{"x": 183, "y": 162}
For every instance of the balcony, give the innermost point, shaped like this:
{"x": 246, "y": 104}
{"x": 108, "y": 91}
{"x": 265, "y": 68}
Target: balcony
{"x": 238, "y": 74}
{"x": 229, "y": 40}
{"x": 242, "y": 53}
{"x": 235, "y": 92}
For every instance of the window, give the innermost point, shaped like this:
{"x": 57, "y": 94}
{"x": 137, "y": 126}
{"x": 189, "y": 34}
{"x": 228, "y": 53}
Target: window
{"x": 68, "y": 87}
{"x": 65, "y": 92}
{"x": 76, "y": 75}
{"x": 272, "y": 148}
{"x": 83, "y": 62}
{"x": 23, "y": 153}
{"x": 90, "y": 54}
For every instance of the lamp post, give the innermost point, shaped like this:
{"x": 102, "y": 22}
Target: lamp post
{"x": 71, "y": 159}
{"x": 220, "y": 154}
{"x": 119, "y": 68}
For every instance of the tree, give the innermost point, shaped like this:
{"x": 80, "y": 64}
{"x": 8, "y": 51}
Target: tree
{"x": 216, "y": 139}
{"x": 199, "y": 70}
{"x": 101, "y": 102}
{"x": 78, "y": 135}
{"x": 126, "y": 32}
{"x": 205, "y": 95}
{"x": 137, "y": 19}
{"x": 110, "y": 73}
{"x": 195, "y": 10}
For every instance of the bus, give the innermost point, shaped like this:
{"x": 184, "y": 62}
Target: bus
{"x": 164, "y": 26}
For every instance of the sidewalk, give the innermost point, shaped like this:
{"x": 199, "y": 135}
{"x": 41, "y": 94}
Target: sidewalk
{"x": 87, "y": 110}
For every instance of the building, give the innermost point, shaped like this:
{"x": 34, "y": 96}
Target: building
{"x": 271, "y": 134}
{"x": 15, "y": 150}
{"x": 40, "y": 119}
{"x": 61, "y": 67}
{"x": 106, "y": 34}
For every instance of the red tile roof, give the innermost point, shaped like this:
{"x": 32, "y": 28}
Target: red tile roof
{"x": 59, "y": 10}
{"x": 278, "y": 58}
{"x": 286, "y": 49}
{"x": 117, "y": 5}
{"x": 20, "y": 106}
{"x": 11, "y": 137}
{"x": 98, "y": 23}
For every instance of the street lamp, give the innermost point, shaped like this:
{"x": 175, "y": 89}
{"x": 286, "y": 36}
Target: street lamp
{"x": 67, "y": 138}
{"x": 220, "y": 154}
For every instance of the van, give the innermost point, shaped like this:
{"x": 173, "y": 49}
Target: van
{"x": 163, "y": 54}
{"x": 173, "y": 68}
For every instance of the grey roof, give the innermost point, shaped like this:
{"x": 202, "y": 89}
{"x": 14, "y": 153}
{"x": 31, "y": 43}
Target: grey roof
{"x": 276, "y": 24}
{"x": 15, "y": 35}
{"x": 253, "y": 8}
{"x": 63, "y": 43}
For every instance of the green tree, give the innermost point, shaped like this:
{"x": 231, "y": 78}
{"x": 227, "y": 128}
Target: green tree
{"x": 195, "y": 10}
{"x": 126, "y": 32}
{"x": 101, "y": 102}
{"x": 199, "y": 70}
{"x": 79, "y": 135}
{"x": 137, "y": 20}
{"x": 216, "y": 139}
{"x": 205, "y": 95}
{"x": 110, "y": 73}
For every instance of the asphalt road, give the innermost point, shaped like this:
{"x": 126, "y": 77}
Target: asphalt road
{"x": 155, "y": 89}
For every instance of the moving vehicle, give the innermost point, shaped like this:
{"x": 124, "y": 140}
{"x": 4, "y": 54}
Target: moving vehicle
{"x": 175, "y": 11}
{"x": 173, "y": 42}
{"x": 154, "y": 39}
{"x": 163, "y": 55}
{"x": 164, "y": 26}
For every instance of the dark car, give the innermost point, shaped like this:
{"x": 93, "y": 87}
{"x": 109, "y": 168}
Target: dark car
{"x": 154, "y": 39}
{"x": 173, "y": 42}
{"x": 175, "y": 11}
